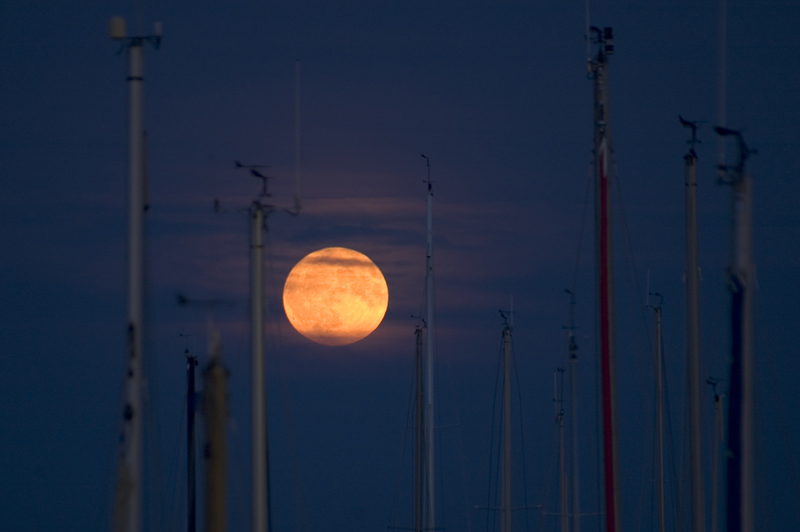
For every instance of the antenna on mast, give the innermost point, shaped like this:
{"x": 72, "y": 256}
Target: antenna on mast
{"x": 693, "y": 125}
{"x": 258, "y": 175}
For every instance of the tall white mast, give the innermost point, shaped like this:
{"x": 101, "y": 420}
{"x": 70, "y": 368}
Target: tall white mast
{"x": 128, "y": 493}
{"x": 259, "y": 211}
{"x": 741, "y": 283}
{"x": 429, "y": 362}
{"x": 693, "y": 336}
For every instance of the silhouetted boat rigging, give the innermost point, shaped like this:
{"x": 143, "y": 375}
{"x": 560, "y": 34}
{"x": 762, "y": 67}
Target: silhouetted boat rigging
{"x": 740, "y": 507}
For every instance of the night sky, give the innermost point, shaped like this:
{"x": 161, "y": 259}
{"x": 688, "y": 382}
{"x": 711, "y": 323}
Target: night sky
{"x": 496, "y": 95}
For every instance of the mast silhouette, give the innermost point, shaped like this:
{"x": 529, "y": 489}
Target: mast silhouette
{"x": 573, "y": 388}
{"x": 558, "y": 401}
{"x": 693, "y": 335}
{"x": 740, "y": 504}
{"x": 128, "y": 492}
{"x": 429, "y": 357}
{"x": 603, "y": 164}
{"x": 719, "y": 431}
{"x": 191, "y": 446}
{"x": 506, "y": 508}
{"x": 215, "y": 409}
{"x": 259, "y": 210}
{"x": 419, "y": 464}
{"x": 659, "y": 363}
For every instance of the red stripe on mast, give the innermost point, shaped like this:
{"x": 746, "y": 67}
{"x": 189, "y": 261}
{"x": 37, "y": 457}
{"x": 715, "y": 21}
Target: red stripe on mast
{"x": 606, "y": 323}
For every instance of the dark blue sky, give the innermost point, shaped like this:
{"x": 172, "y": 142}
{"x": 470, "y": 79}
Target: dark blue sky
{"x": 496, "y": 95}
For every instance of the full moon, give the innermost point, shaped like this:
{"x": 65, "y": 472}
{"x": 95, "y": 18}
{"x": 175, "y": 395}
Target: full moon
{"x": 335, "y": 296}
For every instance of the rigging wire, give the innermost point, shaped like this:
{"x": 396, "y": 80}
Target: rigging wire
{"x": 583, "y": 226}
{"x": 522, "y": 437}
{"x": 461, "y": 450}
{"x": 767, "y": 374}
{"x": 678, "y": 510}
{"x": 173, "y": 485}
{"x": 105, "y": 497}
{"x": 636, "y": 297}
{"x": 491, "y": 448}
{"x": 152, "y": 476}
{"x": 551, "y": 471}
{"x": 288, "y": 410}
{"x": 394, "y": 513}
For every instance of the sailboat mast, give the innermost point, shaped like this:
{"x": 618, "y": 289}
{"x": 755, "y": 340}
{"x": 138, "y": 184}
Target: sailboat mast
{"x": 419, "y": 470}
{"x": 133, "y": 382}
{"x": 605, "y": 274}
{"x": 128, "y": 496}
{"x": 429, "y": 362}
{"x": 693, "y": 336}
{"x": 191, "y": 362}
{"x": 215, "y": 408}
{"x": 261, "y": 517}
{"x": 718, "y": 432}
{"x": 573, "y": 384}
{"x": 558, "y": 398}
{"x": 660, "y": 421}
{"x": 740, "y": 428}
{"x": 506, "y": 428}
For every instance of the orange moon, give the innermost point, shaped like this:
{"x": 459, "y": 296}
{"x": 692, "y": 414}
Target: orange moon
{"x": 335, "y": 296}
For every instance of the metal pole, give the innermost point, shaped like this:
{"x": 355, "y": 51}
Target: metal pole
{"x": 718, "y": 434}
{"x": 128, "y": 493}
{"x": 573, "y": 387}
{"x": 419, "y": 470}
{"x": 660, "y": 422}
{"x": 605, "y": 276}
{"x": 429, "y": 365}
{"x": 191, "y": 362}
{"x": 506, "y": 429}
{"x": 693, "y": 339}
{"x": 562, "y": 473}
{"x": 260, "y": 444}
{"x": 740, "y": 507}
{"x": 215, "y": 408}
